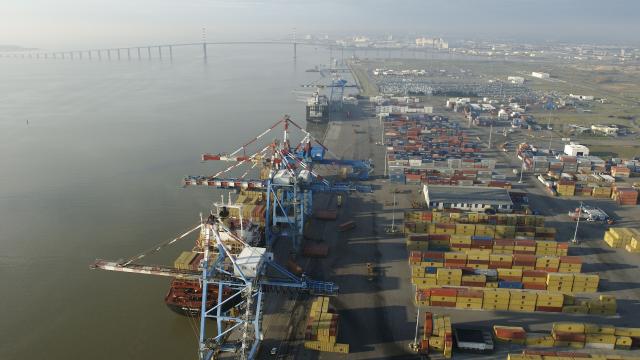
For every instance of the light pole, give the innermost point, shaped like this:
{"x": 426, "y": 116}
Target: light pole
{"x": 521, "y": 173}
{"x": 415, "y": 345}
{"x": 575, "y": 234}
{"x": 490, "y": 134}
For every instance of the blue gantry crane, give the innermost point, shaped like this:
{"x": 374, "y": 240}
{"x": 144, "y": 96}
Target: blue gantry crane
{"x": 235, "y": 271}
{"x": 288, "y": 178}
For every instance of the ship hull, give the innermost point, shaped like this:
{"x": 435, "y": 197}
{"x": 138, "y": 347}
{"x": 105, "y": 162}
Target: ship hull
{"x": 185, "y": 298}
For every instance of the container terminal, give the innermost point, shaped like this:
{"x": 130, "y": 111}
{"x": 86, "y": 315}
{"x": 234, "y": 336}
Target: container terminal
{"x": 437, "y": 251}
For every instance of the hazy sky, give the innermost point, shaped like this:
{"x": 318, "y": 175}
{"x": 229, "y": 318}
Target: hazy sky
{"x": 66, "y": 24}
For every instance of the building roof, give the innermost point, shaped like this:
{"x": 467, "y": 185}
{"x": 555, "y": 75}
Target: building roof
{"x": 467, "y": 194}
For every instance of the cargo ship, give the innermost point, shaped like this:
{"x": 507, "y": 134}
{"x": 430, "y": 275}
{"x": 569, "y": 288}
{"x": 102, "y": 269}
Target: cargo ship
{"x": 185, "y": 297}
{"x": 245, "y": 220}
{"x": 317, "y": 107}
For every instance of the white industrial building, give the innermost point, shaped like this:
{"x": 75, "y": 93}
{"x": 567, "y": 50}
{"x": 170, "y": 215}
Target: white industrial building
{"x": 608, "y": 130}
{"x": 516, "y": 79}
{"x": 436, "y": 43}
{"x": 475, "y": 198}
{"x": 540, "y": 75}
{"x": 395, "y": 109}
{"x": 574, "y": 149}
{"x": 582, "y": 97}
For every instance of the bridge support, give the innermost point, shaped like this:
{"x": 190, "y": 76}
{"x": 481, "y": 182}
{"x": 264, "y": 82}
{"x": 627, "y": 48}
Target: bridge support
{"x": 109, "y": 54}
{"x": 139, "y": 57}
{"x": 118, "y": 54}
{"x": 295, "y": 50}
{"x": 149, "y": 52}
{"x": 170, "y": 53}
{"x": 204, "y": 50}
{"x": 160, "y": 52}
{"x": 128, "y": 53}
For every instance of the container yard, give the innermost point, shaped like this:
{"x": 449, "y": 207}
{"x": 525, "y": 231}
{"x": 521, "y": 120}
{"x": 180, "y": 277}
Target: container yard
{"x": 581, "y": 175}
{"x": 392, "y": 260}
{"x": 572, "y": 334}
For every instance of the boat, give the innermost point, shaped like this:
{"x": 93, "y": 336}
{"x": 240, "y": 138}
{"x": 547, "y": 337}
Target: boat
{"x": 317, "y": 107}
{"x": 245, "y": 220}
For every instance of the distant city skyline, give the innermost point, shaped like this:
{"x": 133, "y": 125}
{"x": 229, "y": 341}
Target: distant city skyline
{"x": 68, "y": 24}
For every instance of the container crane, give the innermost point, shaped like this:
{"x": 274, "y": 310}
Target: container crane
{"x": 236, "y": 266}
{"x": 336, "y": 90}
{"x": 245, "y": 271}
{"x": 289, "y": 178}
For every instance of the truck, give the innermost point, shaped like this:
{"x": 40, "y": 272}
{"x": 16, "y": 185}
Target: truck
{"x": 591, "y": 214}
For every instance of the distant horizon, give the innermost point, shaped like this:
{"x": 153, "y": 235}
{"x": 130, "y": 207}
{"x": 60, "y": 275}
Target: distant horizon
{"x": 452, "y": 41}
{"x": 67, "y": 24}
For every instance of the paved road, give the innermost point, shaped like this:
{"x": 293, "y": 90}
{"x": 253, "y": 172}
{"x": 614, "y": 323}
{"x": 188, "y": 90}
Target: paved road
{"x": 378, "y": 315}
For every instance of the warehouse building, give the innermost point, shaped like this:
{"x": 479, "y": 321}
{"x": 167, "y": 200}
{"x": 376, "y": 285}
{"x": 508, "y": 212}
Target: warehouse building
{"x": 540, "y": 75}
{"x": 475, "y": 198}
{"x": 574, "y": 149}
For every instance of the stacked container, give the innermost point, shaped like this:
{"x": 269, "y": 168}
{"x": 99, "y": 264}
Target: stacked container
{"x": 437, "y": 335}
{"x": 322, "y": 328}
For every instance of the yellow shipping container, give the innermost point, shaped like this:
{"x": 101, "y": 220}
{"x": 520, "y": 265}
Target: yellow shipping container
{"x": 575, "y": 309}
{"x": 465, "y": 229}
{"x": 626, "y": 331}
{"x": 539, "y": 340}
{"x": 599, "y": 329}
{"x": 470, "y": 306}
{"x": 601, "y": 339}
{"x": 436, "y": 342}
{"x": 460, "y": 239}
{"x": 623, "y": 342}
{"x": 522, "y": 308}
{"x": 510, "y": 272}
{"x": 443, "y": 272}
{"x": 570, "y": 327}
{"x": 455, "y": 256}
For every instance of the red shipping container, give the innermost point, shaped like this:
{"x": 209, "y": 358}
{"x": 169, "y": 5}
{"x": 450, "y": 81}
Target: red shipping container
{"x": 509, "y": 332}
{"x": 524, "y": 252}
{"x": 440, "y": 236}
{"x": 419, "y": 237}
{"x": 524, "y": 260}
{"x": 454, "y": 262}
{"x": 443, "y": 292}
{"x": 534, "y": 273}
{"x": 534, "y": 286}
{"x": 525, "y": 242}
{"x": 549, "y": 308}
{"x": 443, "y": 303}
{"x": 570, "y": 260}
{"x": 503, "y": 242}
{"x": 567, "y": 336}
{"x": 433, "y": 255}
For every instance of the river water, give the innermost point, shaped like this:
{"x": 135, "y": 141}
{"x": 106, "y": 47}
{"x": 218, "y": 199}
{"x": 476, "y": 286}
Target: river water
{"x": 91, "y": 158}
{"x": 95, "y": 173}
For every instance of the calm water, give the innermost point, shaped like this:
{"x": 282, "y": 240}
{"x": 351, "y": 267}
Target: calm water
{"x": 96, "y": 174}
